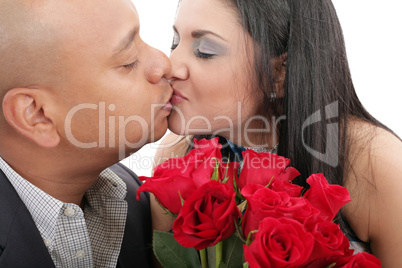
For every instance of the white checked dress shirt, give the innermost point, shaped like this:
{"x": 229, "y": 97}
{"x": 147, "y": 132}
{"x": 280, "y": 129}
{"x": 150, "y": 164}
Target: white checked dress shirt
{"x": 74, "y": 238}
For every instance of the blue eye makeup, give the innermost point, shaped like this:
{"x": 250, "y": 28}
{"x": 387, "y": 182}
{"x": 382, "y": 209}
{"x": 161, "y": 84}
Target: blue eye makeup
{"x": 206, "y": 48}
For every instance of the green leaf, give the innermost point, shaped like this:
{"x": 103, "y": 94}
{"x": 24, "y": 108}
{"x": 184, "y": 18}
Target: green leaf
{"x": 225, "y": 177}
{"x": 269, "y": 183}
{"x": 242, "y": 206}
{"x": 215, "y": 175}
{"x": 211, "y": 251}
{"x": 171, "y": 254}
{"x": 232, "y": 253}
{"x": 239, "y": 198}
{"x": 248, "y": 242}
{"x": 181, "y": 199}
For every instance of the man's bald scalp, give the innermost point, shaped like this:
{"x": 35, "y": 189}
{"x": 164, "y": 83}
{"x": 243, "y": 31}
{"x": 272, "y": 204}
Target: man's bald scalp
{"x": 27, "y": 44}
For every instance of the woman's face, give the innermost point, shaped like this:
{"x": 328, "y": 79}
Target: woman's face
{"x": 211, "y": 58}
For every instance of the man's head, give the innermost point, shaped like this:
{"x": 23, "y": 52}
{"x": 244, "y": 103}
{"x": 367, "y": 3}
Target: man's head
{"x": 75, "y": 76}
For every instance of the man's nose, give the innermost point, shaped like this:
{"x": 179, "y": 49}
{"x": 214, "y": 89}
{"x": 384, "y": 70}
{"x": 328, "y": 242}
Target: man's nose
{"x": 159, "y": 67}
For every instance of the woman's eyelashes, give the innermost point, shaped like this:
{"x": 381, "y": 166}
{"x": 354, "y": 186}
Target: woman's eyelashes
{"x": 206, "y": 48}
{"x": 175, "y": 41}
{"x": 173, "y": 47}
{"x": 203, "y": 55}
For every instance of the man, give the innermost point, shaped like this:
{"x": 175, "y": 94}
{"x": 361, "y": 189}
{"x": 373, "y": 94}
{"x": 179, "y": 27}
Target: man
{"x": 80, "y": 90}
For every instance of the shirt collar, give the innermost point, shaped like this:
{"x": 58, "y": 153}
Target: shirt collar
{"x": 110, "y": 185}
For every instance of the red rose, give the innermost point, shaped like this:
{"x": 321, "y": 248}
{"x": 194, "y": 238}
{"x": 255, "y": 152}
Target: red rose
{"x": 293, "y": 190}
{"x": 263, "y": 202}
{"x": 362, "y": 260}
{"x": 328, "y": 198}
{"x": 178, "y": 178}
{"x": 207, "y": 216}
{"x": 169, "y": 190}
{"x": 329, "y": 239}
{"x": 262, "y": 168}
{"x": 199, "y": 163}
{"x": 279, "y": 243}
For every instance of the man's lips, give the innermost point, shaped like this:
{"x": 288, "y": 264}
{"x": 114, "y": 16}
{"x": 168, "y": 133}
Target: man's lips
{"x": 168, "y": 106}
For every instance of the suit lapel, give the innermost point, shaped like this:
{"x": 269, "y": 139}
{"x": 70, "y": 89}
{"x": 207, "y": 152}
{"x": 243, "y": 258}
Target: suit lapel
{"x": 21, "y": 244}
{"x": 136, "y": 248}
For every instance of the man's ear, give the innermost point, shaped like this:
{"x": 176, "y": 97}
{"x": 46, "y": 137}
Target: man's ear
{"x": 279, "y": 73}
{"x": 23, "y": 110}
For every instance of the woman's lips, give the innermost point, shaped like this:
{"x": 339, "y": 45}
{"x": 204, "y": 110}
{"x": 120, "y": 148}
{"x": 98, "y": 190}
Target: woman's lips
{"x": 177, "y": 97}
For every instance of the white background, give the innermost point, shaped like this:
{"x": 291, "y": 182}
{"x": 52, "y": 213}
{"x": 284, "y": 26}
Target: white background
{"x": 372, "y": 31}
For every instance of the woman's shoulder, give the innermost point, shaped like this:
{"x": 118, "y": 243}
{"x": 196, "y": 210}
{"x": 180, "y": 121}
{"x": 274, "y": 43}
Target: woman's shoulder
{"x": 171, "y": 146}
{"x": 373, "y": 148}
{"x": 375, "y": 156}
{"x": 374, "y": 180}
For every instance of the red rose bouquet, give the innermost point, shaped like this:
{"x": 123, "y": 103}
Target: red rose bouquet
{"x": 256, "y": 219}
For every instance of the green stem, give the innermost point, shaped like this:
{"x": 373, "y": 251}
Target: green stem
{"x": 218, "y": 247}
{"x": 203, "y": 255}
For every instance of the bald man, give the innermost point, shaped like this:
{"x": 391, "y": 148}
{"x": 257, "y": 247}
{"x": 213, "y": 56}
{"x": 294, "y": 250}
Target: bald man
{"x": 80, "y": 90}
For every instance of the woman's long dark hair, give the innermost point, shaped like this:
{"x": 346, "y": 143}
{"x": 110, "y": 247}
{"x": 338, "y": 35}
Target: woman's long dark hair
{"x": 318, "y": 85}
{"x": 319, "y": 95}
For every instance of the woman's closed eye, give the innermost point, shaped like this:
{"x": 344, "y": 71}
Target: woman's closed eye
{"x": 206, "y": 48}
{"x": 203, "y": 55}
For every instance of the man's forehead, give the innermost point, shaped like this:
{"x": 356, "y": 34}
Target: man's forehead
{"x": 4, "y": 40}
{"x": 21, "y": 7}
{"x": 73, "y": 24}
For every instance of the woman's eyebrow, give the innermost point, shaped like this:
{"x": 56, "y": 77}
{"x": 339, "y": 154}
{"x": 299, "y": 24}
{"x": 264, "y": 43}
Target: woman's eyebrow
{"x": 200, "y": 33}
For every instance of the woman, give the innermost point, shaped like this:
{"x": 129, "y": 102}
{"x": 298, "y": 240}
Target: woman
{"x": 273, "y": 76}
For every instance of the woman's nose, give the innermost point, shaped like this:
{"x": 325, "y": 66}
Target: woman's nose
{"x": 180, "y": 69}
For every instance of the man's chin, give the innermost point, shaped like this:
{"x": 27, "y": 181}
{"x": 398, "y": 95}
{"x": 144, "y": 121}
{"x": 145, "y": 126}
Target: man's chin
{"x": 158, "y": 134}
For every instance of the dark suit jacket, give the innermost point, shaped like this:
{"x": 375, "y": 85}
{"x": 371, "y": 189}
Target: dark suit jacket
{"x": 21, "y": 244}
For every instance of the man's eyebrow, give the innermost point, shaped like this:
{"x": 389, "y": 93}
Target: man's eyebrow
{"x": 126, "y": 42}
{"x": 200, "y": 33}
